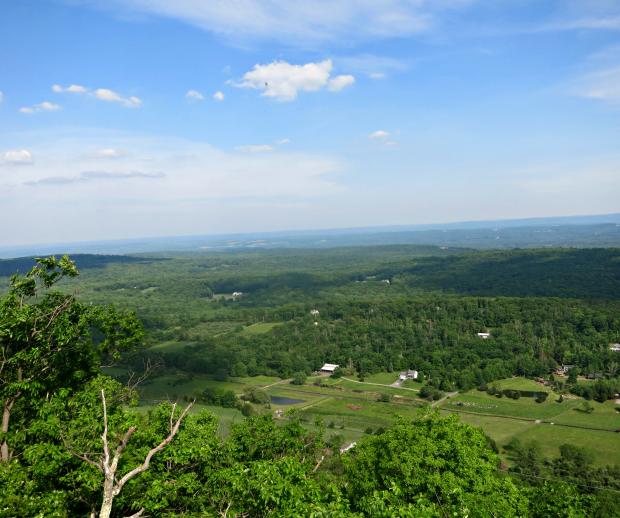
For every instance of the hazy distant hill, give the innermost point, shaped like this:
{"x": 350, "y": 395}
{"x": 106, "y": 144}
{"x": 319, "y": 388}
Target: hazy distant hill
{"x": 83, "y": 262}
{"x": 575, "y": 231}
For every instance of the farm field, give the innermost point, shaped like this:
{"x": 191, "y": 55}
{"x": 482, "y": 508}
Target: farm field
{"x": 525, "y": 407}
{"x": 351, "y": 409}
{"x": 519, "y": 383}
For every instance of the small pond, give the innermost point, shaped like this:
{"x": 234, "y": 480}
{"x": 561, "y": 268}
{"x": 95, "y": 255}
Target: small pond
{"x": 279, "y": 400}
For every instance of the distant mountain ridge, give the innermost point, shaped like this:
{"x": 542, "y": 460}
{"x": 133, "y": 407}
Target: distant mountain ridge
{"x": 596, "y": 231}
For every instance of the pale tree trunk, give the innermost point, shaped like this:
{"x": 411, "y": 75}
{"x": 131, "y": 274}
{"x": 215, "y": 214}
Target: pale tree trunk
{"x": 109, "y": 463}
{"x": 108, "y": 498}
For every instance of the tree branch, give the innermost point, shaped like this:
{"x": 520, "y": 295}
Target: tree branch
{"x": 147, "y": 461}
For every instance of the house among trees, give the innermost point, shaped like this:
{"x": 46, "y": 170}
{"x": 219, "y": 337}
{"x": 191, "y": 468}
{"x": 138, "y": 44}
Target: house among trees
{"x": 408, "y": 375}
{"x": 314, "y": 312}
{"x": 237, "y": 295}
{"x": 614, "y": 347}
{"x": 329, "y": 368}
{"x": 562, "y": 370}
{"x": 484, "y": 336}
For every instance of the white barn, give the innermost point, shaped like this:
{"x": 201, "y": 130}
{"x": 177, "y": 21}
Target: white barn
{"x": 329, "y": 368}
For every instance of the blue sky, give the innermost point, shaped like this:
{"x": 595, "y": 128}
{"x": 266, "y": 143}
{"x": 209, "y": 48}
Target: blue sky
{"x": 132, "y": 118}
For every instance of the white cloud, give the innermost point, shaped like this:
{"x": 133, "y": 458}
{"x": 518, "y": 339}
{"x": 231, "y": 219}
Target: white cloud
{"x": 256, "y": 148}
{"x": 339, "y": 82}
{"x": 72, "y": 89}
{"x": 283, "y": 81}
{"x": 299, "y": 22}
{"x": 376, "y": 75}
{"x": 110, "y": 153}
{"x": 16, "y": 156}
{"x": 379, "y": 135}
{"x": 194, "y": 95}
{"x": 105, "y": 94}
{"x": 45, "y": 106}
{"x": 283, "y": 141}
{"x": 102, "y": 94}
{"x": 1, "y": 96}
{"x": 603, "y": 85}
{"x": 218, "y": 96}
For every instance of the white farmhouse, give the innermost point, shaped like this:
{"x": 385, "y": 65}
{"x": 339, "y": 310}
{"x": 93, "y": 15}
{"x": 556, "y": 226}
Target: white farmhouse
{"x": 329, "y": 368}
{"x": 484, "y": 336}
{"x": 408, "y": 375}
{"x": 614, "y": 347}
{"x": 314, "y": 312}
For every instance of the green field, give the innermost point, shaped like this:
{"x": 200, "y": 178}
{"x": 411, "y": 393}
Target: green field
{"x": 349, "y": 408}
{"x": 259, "y": 328}
{"x": 483, "y": 403}
{"x": 519, "y": 383}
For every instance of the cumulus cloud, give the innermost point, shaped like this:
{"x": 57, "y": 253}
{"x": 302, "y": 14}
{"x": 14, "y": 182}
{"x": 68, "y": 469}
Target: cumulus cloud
{"x": 90, "y": 176}
{"x": 339, "y": 82}
{"x": 72, "y": 89}
{"x": 255, "y": 148}
{"x": 102, "y": 94}
{"x": 379, "y": 135}
{"x": 194, "y": 95}
{"x": 45, "y": 106}
{"x": 105, "y": 94}
{"x": 218, "y": 96}
{"x": 16, "y": 156}
{"x": 283, "y": 81}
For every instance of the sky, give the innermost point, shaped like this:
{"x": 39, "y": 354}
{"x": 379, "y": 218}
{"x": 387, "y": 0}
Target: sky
{"x": 138, "y": 118}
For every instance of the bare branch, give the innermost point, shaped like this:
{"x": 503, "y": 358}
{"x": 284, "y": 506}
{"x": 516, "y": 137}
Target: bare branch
{"x": 147, "y": 461}
{"x": 137, "y": 515}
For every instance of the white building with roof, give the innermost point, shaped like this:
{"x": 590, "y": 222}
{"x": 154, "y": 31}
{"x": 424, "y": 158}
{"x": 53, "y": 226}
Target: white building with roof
{"x": 329, "y": 368}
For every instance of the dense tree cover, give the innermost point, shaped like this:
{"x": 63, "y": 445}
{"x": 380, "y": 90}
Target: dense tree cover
{"x": 586, "y": 273}
{"x": 435, "y": 335}
{"x": 49, "y": 341}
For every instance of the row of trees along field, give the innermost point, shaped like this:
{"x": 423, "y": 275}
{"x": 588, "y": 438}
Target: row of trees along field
{"x": 72, "y": 444}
